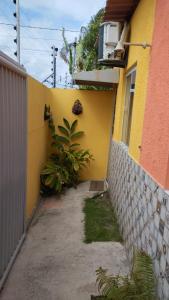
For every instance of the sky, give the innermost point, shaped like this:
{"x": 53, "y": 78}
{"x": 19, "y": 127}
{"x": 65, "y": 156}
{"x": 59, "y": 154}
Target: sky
{"x": 36, "y": 43}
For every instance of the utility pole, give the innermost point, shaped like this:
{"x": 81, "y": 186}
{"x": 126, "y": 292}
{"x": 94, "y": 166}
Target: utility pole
{"x": 74, "y": 54}
{"x": 53, "y": 69}
{"x": 74, "y": 59}
{"x": 17, "y": 28}
{"x": 66, "y": 81}
{"x": 54, "y": 54}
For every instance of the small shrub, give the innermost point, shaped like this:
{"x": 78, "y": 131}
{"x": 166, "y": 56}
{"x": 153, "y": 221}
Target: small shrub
{"x": 67, "y": 160}
{"x": 139, "y": 285}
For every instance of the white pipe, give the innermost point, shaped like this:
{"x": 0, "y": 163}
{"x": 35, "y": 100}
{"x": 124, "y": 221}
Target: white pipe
{"x": 122, "y": 42}
{"x": 144, "y": 45}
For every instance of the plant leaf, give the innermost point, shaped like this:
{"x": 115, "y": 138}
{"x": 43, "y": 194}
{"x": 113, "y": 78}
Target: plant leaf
{"x": 63, "y": 130}
{"x": 50, "y": 164}
{"x": 74, "y": 124}
{"x": 46, "y": 171}
{"x": 77, "y": 134}
{"x": 139, "y": 285}
{"x": 66, "y": 123}
{"x": 74, "y": 145}
{"x": 49, "y": 180}
{"x": 62, "y": 139}
{"x": 76, "y": 166}
{"x": 57, "y": 145}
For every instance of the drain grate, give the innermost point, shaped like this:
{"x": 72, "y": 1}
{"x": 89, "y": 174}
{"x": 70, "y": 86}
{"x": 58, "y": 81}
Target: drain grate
{"x": 96, "y": 186}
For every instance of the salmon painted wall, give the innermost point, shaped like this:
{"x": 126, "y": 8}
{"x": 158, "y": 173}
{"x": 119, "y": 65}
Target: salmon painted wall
{"x": 95, "y": 121}
{"x": 37, "y": 141}
{"x": 155, "y": 142}
{"x": 142, "y": 24}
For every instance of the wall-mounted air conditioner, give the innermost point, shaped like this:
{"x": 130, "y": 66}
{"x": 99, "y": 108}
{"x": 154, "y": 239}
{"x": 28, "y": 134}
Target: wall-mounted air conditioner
{"x": 109, "y": 36}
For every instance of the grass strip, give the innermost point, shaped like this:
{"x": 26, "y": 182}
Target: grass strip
{"x": 100, "y": 221}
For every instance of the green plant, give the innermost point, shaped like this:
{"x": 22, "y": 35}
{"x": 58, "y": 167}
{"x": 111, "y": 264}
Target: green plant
{"x": 140, "y": 285}
{"x": 69, "y": 135}
{"x": 87, "y": 49}
{"x": 67, "y": 160}
{"x": 55, "y": 175}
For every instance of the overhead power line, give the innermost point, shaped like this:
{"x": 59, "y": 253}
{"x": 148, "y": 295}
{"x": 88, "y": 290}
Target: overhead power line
{"x": 38, "y": 50}
{"x": 25, "y": 49}
{"x": 38, "y": 27}
{"x": 43, "y": 39}
{"x": 34, "y": 38}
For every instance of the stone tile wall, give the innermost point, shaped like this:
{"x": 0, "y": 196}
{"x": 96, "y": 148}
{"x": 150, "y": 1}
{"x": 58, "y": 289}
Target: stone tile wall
{"x": 142, "y": 208}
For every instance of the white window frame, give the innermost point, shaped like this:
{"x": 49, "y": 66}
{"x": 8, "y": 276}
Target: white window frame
{"x": 128, "y": 107}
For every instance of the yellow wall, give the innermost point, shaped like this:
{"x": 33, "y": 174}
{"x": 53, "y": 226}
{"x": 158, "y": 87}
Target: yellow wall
{"x": 37, "y": 141}
{"x": 142, "y": 24}
{"x": 95, "y": 121}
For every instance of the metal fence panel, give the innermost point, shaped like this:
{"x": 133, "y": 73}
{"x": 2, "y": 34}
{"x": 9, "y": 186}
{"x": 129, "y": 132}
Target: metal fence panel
{"x": 13, "y": 119}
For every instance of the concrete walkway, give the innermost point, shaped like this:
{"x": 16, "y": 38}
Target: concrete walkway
{"x": 54, "y": 263}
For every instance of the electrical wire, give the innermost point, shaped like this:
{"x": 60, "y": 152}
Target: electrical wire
{"x": 38, "y": 27}
{"x": 26, "y": 49}
{"x": 35, "y": 38}
{"x": 43, "y": 39}
{"x": 36, "y": 50}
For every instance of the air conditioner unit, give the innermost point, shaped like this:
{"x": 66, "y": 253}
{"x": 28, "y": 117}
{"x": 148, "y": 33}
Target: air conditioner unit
{"x": 109, "y": 36}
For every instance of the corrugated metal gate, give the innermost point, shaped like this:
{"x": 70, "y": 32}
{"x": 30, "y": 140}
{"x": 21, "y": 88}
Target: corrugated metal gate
{"x": 12, "y": 161}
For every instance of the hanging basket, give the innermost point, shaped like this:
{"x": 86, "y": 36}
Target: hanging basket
{"x": 77, "y": 108}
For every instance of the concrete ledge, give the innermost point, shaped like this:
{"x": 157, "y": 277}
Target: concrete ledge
{"x": 106, "y": 77}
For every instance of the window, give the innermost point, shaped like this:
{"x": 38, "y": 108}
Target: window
{"x": 130, "y": 89}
